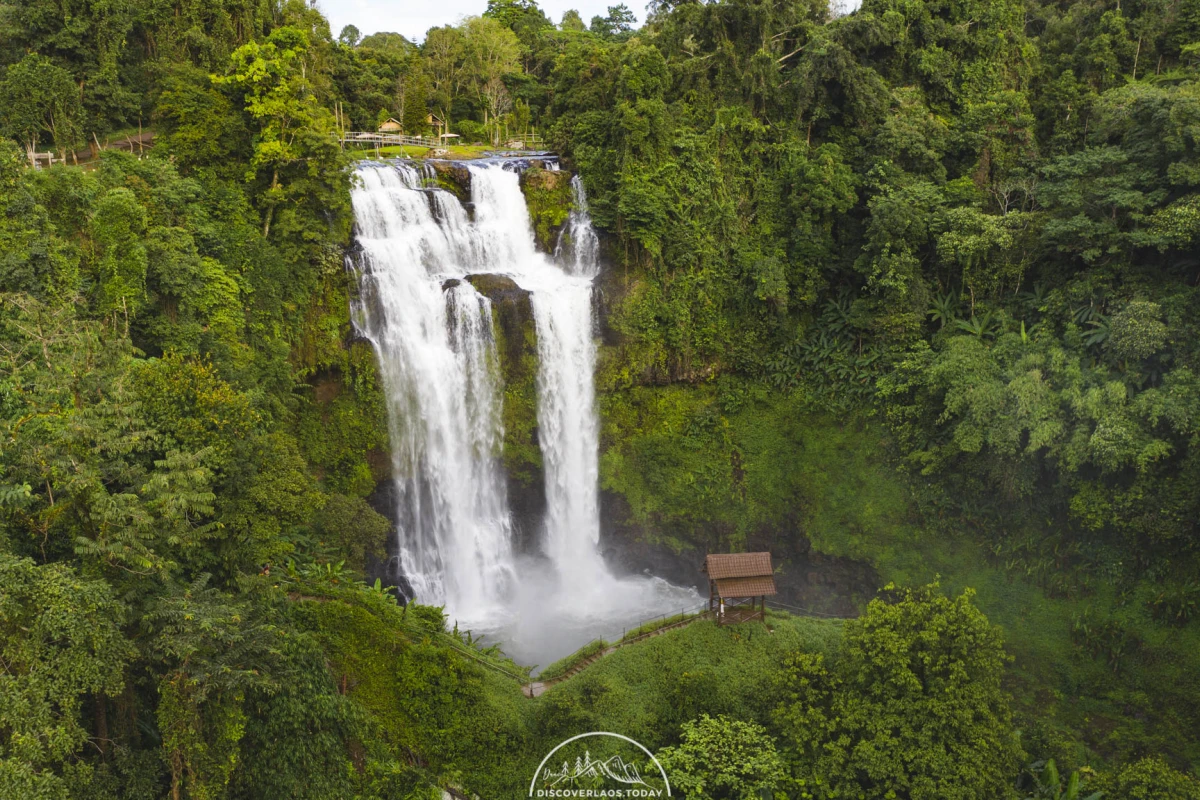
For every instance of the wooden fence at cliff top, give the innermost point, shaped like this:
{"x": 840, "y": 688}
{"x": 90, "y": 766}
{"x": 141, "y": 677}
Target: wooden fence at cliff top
{"x": 376, "y": 139}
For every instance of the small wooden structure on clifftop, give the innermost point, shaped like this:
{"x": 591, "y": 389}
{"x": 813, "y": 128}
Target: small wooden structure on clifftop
{"x": 734, "y": 579}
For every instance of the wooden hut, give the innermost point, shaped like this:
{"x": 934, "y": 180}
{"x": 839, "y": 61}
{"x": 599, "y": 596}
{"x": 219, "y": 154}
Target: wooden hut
{"x": 391, "y": 125}
{"x": 739, "y": 585}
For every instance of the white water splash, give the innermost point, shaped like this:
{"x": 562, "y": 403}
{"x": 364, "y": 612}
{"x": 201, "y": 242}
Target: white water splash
{"x": 438, "y": 361}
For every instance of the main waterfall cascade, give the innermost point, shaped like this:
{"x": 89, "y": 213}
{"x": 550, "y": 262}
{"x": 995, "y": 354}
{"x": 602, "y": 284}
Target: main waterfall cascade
{"x": 434, "y": 337}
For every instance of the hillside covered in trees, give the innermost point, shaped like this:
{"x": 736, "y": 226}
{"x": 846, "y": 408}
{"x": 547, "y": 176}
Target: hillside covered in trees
{"x": 908, "y": 296}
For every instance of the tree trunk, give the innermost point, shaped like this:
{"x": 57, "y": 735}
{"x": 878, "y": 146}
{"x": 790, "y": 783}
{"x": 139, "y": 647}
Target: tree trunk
{"x": 271, "y": 208}
{"x": 101, "y": 721}
{"x": 176, "y": 774}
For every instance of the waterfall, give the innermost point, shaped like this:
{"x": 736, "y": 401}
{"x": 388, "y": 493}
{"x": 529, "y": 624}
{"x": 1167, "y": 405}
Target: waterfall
{"x": 568, "y": 429}
{"x": 438, "y": 361}
{"x": 578, "y": 247}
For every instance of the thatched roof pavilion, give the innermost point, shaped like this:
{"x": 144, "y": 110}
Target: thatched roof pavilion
{"x": 739, "y": 585}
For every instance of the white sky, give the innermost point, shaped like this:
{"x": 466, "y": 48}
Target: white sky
{"x": 413, "y": 17}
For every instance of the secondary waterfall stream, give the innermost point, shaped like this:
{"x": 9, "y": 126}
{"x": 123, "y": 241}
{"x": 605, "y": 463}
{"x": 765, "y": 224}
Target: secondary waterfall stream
{"x": 434, "y": 336}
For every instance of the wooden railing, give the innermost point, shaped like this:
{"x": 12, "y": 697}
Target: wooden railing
{"x": 377, "y": 139}
{"x": 531, "y": 141}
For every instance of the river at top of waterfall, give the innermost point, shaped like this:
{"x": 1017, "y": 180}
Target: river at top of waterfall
{"x": 435, "y": 341}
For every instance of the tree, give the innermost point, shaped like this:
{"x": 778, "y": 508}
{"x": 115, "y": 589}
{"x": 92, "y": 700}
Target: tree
{"x": 616, "y": 24}
{"x": 571, "y": 21}
{"x": 90, "y": 41}
{"x": 912, "y": 707}
{"x": 354, "y": 529}
{"x": 1096, "y": 192}
{"x": 32, "y": 258}
{"x": 199, "y": 125}
{"x": 414, "y": 88}
{"x": 60, "y": 640}
{"x": 297, "y": 742}
{"x": 117, "y": 228}
{"x": 215, "y": 650}
{"x": 1148, "y": 779}
{"x": 519, "y": 16}
{"x": 1137, "y": 332}
{"x": 444, "y": 53}
{"x": 296, "y": 143}
{"x": 491, "y": 53}
{"x": 388, "y": 42}
{"x": 38, "y": 97}
{"x": 723, "y": 759}
{"x": 349, "y": 36}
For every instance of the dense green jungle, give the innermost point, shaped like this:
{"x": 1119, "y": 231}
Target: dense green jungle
{"x": 907, "y": 296}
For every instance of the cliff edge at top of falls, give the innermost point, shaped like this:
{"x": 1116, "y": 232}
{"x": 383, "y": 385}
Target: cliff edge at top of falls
{"x": 547, "y": 193}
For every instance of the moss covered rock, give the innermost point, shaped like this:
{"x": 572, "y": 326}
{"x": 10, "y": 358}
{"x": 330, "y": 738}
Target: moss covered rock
{"x": 454, "y": 177}
{"x": 548, "y": 195}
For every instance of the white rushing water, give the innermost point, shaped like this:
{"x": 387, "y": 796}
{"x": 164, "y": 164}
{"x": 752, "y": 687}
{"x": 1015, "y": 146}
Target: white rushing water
{"x": 433, "y": 333}
{"x": 437, "y": 363}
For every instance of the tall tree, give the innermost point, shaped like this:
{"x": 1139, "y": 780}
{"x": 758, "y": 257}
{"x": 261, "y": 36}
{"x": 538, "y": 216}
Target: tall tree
{"x": 617, "y": 23}
{"x": 571, "y": 21}
{"x": 60, "y": 640}
{"x": 443, "y": 53}
{"x": 38, "y": 97}
{"x": 350, "y": 36}
{"x": 296, "y": 141}
{"x": 492, "y": 52}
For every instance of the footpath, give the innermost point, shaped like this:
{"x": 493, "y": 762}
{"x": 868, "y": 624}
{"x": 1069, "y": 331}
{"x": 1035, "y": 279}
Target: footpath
{"x": 537, "y": 688}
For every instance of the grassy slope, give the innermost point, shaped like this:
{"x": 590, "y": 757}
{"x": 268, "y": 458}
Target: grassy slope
{"x": 474, "y": 726}
{"x": 649, "y": 689}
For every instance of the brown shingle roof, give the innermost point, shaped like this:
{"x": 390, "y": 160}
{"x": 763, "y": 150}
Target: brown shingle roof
{"x": 745, "y": 587}
{"x": 738, "y": 565}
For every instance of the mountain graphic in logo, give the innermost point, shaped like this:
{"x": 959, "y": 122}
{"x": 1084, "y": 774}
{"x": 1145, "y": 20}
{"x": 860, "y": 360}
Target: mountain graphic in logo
{"x": 613, "y": 767}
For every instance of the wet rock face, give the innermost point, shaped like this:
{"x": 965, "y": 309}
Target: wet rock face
{"x": 804, "y": 579}
{"x": 627, "y": 549}
{"x": 500, "y": 289}
{"x": 387, "y": 570}
{"x": 454, "y": 177}
{"x": 609, "y": 289}
{"x": 516, "y": 346}
{"x": 513, "y": 315}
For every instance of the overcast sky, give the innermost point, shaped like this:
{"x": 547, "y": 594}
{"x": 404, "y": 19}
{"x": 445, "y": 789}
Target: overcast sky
{"x": 413, "y": 17}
